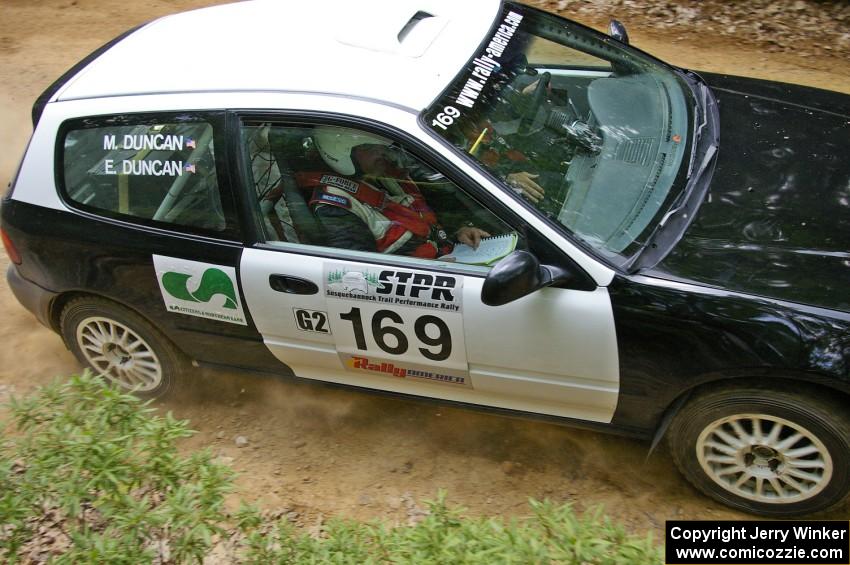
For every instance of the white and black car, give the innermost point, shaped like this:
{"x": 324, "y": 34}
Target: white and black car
{"x": 670, "y": 258}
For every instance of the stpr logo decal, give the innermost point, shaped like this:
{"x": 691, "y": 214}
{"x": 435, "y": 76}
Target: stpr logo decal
{"x": 396, "y": 287}
{"x": 199, "y": 289}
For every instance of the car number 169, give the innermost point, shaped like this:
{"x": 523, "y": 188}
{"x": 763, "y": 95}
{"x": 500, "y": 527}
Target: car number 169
{"x": 446, "y": 118}
{"x": 439, "y": 346}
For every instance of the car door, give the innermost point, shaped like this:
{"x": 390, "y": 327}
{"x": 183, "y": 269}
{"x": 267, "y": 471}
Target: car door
{"x": 406, "y": 324}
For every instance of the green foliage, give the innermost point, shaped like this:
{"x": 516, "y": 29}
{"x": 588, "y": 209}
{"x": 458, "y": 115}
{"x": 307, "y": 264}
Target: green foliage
{"x": 554, "y": 534}
{"x": 95, "y": 468}
{"x": 102, "y": 470}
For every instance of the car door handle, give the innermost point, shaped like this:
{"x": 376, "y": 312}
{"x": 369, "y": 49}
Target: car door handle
{"x": 292, "y": 285}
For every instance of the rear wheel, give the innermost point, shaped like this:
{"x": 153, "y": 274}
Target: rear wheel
{"x": 766, "y": 451}
{"x": 121, "y": 346}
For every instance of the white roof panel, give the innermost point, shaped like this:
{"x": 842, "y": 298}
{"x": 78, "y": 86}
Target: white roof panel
{"x": 402, "y": 52}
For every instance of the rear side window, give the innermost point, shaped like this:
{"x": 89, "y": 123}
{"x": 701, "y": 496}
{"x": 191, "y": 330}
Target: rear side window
{"x": 157, "y": 172}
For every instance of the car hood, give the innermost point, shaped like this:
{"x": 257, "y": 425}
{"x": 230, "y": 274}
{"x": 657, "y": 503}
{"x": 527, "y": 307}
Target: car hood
{"x": 777, "y": 219}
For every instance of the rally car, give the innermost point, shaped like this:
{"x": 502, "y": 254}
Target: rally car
{"x": 562, "y": 226}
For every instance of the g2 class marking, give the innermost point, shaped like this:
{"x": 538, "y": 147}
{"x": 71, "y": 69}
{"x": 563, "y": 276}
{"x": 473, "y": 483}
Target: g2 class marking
{"x": 311, "y": 320}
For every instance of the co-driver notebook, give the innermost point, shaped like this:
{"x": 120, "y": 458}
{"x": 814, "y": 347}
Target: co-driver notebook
{"x": 490, "y": 250}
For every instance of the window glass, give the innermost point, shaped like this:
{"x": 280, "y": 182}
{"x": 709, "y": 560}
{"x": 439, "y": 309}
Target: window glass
{"x": 164, "y": 172}
{"x": 542, "y": 51}
{"x": 350, "y": 189}
{"x": 592, "y": 133}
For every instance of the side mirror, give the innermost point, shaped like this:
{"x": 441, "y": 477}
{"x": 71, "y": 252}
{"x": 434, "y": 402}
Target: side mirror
{"x": 517, "y": 275}
{"x": 618, "y": 31}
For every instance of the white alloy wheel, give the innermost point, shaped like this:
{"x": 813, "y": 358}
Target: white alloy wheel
{"x": 119, "y": 344}
{"x": 119, "y": 354}
{"x": 769, "y": 448}
{"x": 764, "y": 458}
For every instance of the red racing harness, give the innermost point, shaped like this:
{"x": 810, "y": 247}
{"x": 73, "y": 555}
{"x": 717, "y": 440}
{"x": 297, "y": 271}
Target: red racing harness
{"x": 416, "y": 218}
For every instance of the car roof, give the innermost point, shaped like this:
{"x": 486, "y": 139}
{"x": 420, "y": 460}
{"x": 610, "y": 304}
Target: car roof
{"x": 400, "y": 52}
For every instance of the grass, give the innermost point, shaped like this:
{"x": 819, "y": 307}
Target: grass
{"x": 93, "y": 475}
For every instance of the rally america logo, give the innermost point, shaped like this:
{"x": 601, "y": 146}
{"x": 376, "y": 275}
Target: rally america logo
{"x": 390, "y": 368}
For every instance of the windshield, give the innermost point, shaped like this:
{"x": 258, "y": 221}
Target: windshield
{"x": 590, "y": 132}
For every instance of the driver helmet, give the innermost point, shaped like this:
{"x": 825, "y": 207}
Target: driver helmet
{"x": 335, "y": 144}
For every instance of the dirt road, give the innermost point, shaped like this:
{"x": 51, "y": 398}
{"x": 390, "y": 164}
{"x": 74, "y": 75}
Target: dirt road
{"x": 321, "y": 452}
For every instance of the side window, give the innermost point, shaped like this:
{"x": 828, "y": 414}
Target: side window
{"x": 158, "y": 171}
{"x": 351, "y": 189}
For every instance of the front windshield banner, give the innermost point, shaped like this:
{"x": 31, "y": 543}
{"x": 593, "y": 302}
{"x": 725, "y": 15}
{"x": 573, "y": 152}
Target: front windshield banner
{"x": 590, "y": 132}
{"x": 483, "y": 67}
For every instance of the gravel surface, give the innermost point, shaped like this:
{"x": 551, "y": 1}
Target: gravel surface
{"x": 808, "y": 28}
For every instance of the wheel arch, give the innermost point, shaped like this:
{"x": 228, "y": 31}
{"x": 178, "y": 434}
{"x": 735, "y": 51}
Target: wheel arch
{"x": 784, "y": 381}
{"x": 59, "y": 303}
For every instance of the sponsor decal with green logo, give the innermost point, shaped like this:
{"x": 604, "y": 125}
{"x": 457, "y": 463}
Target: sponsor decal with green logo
{"x": 214, "y": 281}
{"x": 394, "y": 286}
{"x": 199, "y": 289}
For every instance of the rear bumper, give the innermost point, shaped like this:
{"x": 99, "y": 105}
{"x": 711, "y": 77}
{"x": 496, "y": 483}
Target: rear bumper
{"x": 31, "y": 296}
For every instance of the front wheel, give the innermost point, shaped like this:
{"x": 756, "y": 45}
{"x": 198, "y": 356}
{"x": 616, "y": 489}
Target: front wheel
{"x": 766, "y": 451}
{"x": 121, "y": 346}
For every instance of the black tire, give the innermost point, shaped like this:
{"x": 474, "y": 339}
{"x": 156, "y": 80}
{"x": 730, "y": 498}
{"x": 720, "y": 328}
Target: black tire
{"x": 138, "y": 358}
{"x": 700, "y": 434}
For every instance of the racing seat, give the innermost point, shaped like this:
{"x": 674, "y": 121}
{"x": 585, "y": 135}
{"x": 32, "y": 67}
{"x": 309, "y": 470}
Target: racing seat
{"x": 304, "y": 222}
